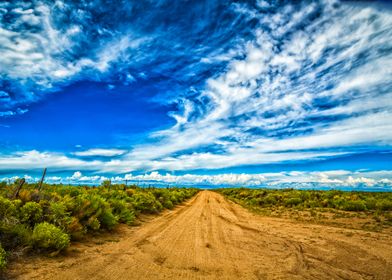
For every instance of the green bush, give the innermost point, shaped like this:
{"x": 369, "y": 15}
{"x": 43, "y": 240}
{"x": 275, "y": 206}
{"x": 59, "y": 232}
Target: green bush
{"x": 93, "y": 223}
{"x": 384, "y": 205}
{"x": 108, "y": 220}
{"x": 3, "y": 258}
{"x": 15, "y": 235}
{"x": 167, "y": 204}
{"x": 270, "y": 199}
{"x": 7, "y": 208}
{"x": 31, "y": 213}
{"x": 293, "y": 201}
{"x": 50, "y": 237}
{"x": 356, "y": 205}
{"x": 58, "y": 215}
{"x": 371, "y": 203}
{"x": 146, "y": 202}
{"x": 75, "y": 228}
{"x": 167, "y": 199}
{"x": 123, "y": 211}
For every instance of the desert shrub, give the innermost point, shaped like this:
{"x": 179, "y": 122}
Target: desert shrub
{"x": 123, "y": 211}
{"x": 49, "y": 237}
{"x": 73, "y": 192}
{"x": 384, "y": 205}
{"x": 304, "y": 196}
{"x": 106, "y": 184}
{"x": 83, "y": 207}
{"x": 35, "y": 196}
{"x": 75, "y": 228}
{"x": 243, "y": 194}
{"x": 95, "y": 205}
{"x": 13, "y": 235}
{"x": 336, "y": 202}
{"x": 146, "y": 203}
{"x": 270, "y": 199}
{"x": 25, "y": 195}
{"x": 166, "y": 198}
{"x": 356, "y": 205}
{"x": 3, "y": 258}
{"x": 31, "y": 213}
{"x": 130, "y": 192}
{"x": 167, "y": 204}
{"x": 313, "y": 203}
{"x": 175, "y": 197}
{"x": 58, "y": 215}
{"x": 107, "y": 219}
{"x": 293, "y": 201}
{"x": 87, "y": 205}
{"x": 7, "y": 208}
{"x": 81, "y": 210}
{"x": 253, "y": 201}
{"x": 93, "y": 223}
{"x": 371, "y": 203}
{"x": 388, "y": 217}
{"x": 333, "y": 194}
{"x": 70, "y": 204}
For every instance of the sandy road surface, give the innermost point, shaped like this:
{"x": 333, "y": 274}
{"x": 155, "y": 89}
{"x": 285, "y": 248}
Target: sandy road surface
{"x": 211, "y": 238}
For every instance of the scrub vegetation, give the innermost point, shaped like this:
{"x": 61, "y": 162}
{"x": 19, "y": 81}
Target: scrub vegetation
{"x": 46, "y": 219}
{"x": 363, "y": 210}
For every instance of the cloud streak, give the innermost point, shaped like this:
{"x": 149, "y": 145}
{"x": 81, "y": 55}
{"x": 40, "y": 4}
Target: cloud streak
{"x": 100, "y": 152}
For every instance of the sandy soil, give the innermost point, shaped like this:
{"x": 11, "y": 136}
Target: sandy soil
{"x": 212, "y": 238}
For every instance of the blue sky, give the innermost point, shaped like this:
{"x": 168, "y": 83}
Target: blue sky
{"x": 257, "y": 93}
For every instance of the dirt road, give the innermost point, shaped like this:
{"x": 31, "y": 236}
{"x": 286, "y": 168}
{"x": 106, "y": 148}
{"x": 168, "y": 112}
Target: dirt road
{"x": 211, "y": 238}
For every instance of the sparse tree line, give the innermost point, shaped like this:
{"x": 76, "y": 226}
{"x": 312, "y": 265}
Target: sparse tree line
{"x": 46, "y": 218}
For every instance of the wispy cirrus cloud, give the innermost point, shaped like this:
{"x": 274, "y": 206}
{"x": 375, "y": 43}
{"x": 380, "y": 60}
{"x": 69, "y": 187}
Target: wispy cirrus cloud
{"x": 42, "y": 49}
{"x": 47, "y": 45}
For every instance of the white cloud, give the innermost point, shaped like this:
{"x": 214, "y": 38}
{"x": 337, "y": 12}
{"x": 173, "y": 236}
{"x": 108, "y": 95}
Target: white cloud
{"x": 32, "y": 54}
{"x": 32, "y": 160}
{"x": 76, "y": 175}
{"x": 37, "y": 58}
{"x": 18, "y": 111}
{"x": 100, "y": 152}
